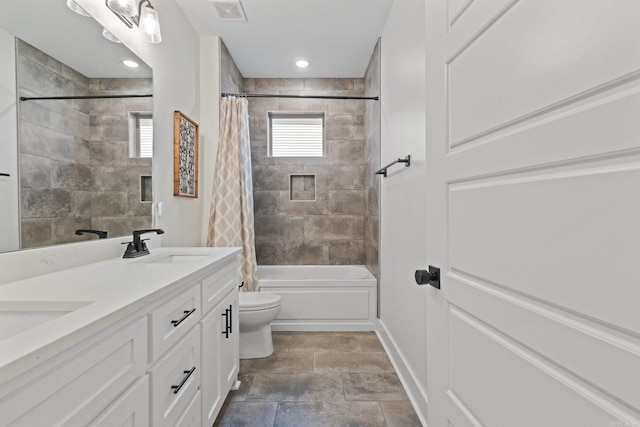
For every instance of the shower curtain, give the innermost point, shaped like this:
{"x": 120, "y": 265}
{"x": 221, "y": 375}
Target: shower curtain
{"x": 231, "y": 215}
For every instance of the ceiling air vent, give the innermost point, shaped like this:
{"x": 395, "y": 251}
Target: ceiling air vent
{"x": 229, "y": 10}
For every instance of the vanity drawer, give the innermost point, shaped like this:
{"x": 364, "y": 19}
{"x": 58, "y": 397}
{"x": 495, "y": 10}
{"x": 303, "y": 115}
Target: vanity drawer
{"x": 192, "y": 417}
{"x": 214, "y": 287}
{"x": 131, "y": 409}
{"x": 175, "y": 380}
{"x": 173, "y": 319}
{"x": 75, "y": 391}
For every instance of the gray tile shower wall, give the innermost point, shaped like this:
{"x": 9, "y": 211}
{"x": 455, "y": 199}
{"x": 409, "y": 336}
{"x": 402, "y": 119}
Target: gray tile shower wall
{"x": 74, "y": 166}
{"x": 330, "y": 228}
{"x": 115, "y": 176}
{"x": 335, "y": 220}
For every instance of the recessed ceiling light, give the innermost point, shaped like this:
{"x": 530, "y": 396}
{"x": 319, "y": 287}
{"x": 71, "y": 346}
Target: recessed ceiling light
{"x": 130, "y": 63}
{"x": 302, "y": 63}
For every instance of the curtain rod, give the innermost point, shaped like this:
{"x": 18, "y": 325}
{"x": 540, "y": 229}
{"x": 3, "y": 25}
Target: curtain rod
{"x": 41, "y": 98}
{"x": 260, "y": 95}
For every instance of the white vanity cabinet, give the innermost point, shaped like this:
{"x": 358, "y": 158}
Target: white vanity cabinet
{"x": 131, "y": 410}
{"x": 73, "y": 390}
{"x": 175, "y": 380}
{"x": 167, "y": 361}
{"x": 174, "y": 371}
{"x": 220, "y": 341}
{"x": 229, "y": 346}
{"x": 197, "y": 371}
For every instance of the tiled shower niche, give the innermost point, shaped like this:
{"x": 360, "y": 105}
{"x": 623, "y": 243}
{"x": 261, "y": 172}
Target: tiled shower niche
{"x": 302, "y": 188}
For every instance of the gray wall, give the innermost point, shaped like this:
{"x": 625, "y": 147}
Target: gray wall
{"x": 74, "y": 154}
{"x": 231, "y": 81}
{"x": 331, "y": 228}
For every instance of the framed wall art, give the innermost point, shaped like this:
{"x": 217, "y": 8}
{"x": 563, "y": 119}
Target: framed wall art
{"x": 185, "y": 156}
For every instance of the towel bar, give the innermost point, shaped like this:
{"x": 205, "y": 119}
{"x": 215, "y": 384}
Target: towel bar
{"x": 406, "y": 161}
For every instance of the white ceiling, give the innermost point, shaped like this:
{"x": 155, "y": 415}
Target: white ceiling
{"x": 72, "y": 39}
{"x": 337, "y": 37}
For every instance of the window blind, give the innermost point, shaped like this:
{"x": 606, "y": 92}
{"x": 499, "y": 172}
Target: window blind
{"x": 145, "y": 137}
{"x": 297, "y": 135}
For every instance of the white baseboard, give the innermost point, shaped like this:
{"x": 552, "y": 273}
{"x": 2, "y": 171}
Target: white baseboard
{"x": 306, "y": 326}
{"x": 417, "y": 395}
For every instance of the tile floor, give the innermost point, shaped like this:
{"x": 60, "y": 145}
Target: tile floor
{"x": 323, "y": 379}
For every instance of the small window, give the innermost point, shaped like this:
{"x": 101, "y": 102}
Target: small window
{"x": 296, "y": 134}
{"x": 141, "y": 135}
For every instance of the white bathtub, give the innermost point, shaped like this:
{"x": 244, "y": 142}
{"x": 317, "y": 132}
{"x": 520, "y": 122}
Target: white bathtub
{"x": 321, "y": 297}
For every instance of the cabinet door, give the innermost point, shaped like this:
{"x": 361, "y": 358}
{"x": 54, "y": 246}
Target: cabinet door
{"x": 220, "y": 354}
{"x": 229, "y": 342}
{"x": 212, "y": 327}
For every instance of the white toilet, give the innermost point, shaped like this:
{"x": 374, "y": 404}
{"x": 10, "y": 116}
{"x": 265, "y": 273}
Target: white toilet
{"x": 257, "y": 311}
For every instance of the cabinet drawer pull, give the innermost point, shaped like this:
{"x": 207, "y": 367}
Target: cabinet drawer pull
{"x": 227, "y": 316}
{"x": 176, "y": 388}
{"x": 230, "y": 318}
{"x": 187, "y": 313}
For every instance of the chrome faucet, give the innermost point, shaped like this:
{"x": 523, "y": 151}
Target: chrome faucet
{"x": 138, "y": 247}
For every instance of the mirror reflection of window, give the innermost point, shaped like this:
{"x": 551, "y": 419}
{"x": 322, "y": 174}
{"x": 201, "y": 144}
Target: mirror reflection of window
{"x": 141, "y": 134}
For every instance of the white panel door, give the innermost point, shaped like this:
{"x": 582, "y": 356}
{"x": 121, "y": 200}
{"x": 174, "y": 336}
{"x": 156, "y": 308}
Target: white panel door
{"x": 9, "y": 220}
{"x": 533, "y": 156}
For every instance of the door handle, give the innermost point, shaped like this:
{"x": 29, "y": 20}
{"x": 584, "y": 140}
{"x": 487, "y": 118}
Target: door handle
{"x": 428, "y": 277}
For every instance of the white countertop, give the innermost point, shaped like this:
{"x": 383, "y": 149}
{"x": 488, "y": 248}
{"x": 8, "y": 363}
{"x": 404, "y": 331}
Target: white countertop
{"x": 107, "y": 292}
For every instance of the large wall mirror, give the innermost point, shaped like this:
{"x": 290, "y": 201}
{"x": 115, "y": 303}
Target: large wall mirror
{"x": 82, "y": 163}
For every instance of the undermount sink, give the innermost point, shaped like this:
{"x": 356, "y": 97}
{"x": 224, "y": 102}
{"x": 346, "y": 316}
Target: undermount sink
{"x": 18, "y": 316}
{"x": 178, "y": 258}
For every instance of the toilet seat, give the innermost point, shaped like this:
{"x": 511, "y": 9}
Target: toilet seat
{"x": 253, "y": 301}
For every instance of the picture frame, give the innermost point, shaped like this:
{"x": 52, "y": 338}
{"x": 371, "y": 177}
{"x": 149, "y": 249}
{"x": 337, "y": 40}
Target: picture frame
{"x": 185, "y": 156}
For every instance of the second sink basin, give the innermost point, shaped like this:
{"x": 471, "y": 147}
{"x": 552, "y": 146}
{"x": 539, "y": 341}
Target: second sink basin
{"x": 18, "y": 316}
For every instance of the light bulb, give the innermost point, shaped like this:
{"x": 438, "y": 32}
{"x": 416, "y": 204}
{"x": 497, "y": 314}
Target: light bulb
{"x": 149, "y": 24}
{"x": 123, "y": 7}
{"x": 302, "y": 63}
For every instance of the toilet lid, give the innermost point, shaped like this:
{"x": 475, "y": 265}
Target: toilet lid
{"x": 258, "y": 300}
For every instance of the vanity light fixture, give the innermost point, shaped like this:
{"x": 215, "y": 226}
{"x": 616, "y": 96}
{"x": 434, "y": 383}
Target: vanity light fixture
{"x": 149, "y": 23}
{"x": 302, "y": 63}
{"x": 71, "y": 4}
{"x": 143, "y": 16}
